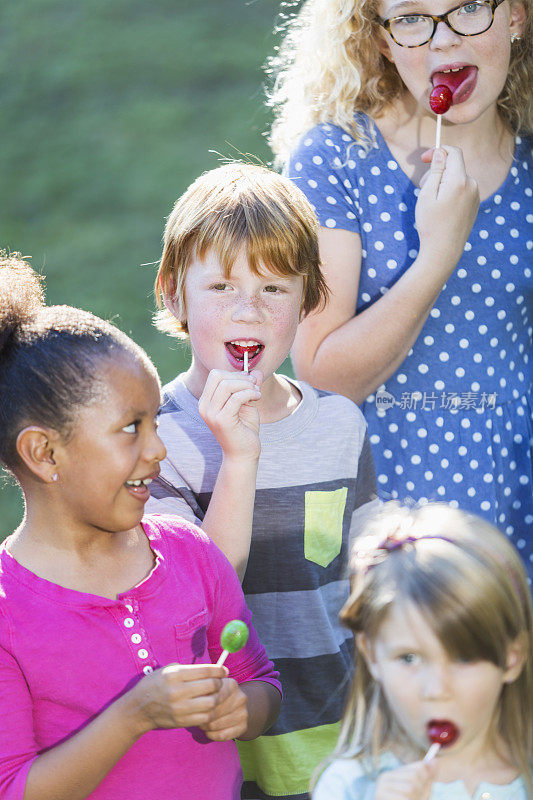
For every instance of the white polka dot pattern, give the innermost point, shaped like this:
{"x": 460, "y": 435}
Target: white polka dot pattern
{"x": 455, "y": 422}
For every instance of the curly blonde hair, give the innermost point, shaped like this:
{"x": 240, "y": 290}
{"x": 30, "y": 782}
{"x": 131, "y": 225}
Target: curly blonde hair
{"x": 329, "y": 66}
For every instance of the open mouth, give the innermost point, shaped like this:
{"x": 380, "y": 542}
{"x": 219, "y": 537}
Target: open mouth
{"x": 459, "y": 80}
{"x": 139, "y": 488}
{"x": 236, "y": 349}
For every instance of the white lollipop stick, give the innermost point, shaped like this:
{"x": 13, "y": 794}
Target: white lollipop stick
{"x": 245, "y": 364}
{"x": 225, "y": 653}
{"x": 437, "y": 134}
{"x": 432, "y": 752}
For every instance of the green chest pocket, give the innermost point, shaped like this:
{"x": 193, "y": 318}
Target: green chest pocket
{"x": 324, "y": 512}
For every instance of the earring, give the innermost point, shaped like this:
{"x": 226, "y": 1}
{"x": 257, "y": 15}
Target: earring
{"x": 55, "y": 477}
{"x": 515, "y": 37}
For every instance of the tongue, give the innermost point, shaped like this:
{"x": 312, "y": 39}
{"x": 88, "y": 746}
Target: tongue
{"x": 457, "y": 82}
{"x": 238, "y": 350}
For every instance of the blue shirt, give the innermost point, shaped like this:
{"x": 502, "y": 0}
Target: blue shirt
{"x": 455, "y": 421}
{"x": 345, "y": 779}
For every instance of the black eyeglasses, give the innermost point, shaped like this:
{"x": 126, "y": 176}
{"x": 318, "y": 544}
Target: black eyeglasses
{"x": 468, "y": 19}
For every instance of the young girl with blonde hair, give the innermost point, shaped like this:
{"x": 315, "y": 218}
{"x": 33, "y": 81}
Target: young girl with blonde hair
{"x": 428, "y": 321}
{"x": 442, "y": 618}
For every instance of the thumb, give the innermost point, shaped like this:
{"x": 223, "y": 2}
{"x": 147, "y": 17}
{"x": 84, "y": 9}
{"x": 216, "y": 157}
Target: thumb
{"x": 431, "y": 180}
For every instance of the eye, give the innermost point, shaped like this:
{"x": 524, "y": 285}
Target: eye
{"x": 471, "y": 8}
{"x": 412, "y": 19}
{"x": 412, "y": 659}
{"x": 219, "y": 287}
{"x": 132, "y": 427}
{"x": 273, "y": 289}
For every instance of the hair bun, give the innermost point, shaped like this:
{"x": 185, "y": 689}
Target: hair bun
{"x": 21, "y": 295}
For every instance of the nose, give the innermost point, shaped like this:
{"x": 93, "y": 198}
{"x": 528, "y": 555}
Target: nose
{"x": 248, "y": 308}
{"x": 436, "y": 682}
{"x": 155, "y": 450}
{"x": 444, "y": 36}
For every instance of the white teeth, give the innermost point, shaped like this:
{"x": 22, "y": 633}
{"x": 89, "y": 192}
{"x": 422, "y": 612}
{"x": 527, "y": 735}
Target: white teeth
{"x": 245, "y": 342}
{"x": 145, "y": 482}
{"x": 457, "y": 69}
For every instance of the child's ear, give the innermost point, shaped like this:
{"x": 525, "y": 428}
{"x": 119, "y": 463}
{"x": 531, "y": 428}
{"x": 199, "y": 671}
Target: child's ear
{"x": 35, "y": 446}
{"x": 173, "y": 302}
{"x": 517, "y": 19}
{"x": 366, "y": 649}
{"x": 516, "y": 658}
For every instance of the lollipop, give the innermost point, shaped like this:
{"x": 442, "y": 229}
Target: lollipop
{"x": 440, "y": 733}
{"x": 440, "y": 101}
{"x": 233, "y": 637}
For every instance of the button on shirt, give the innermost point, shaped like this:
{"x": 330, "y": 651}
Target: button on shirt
{"x": 66, "y": 655}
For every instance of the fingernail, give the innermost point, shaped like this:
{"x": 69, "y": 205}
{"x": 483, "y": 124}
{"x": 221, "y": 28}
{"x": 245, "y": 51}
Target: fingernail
{"x": 439, "y": 156}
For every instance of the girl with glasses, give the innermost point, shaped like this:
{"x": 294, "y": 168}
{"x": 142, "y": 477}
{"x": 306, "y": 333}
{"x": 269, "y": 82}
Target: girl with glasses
{"x": 428, "y": 253}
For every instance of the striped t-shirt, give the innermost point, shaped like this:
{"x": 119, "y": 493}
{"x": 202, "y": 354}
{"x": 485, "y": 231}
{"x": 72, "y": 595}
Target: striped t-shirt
{"x": 315, "y": 481}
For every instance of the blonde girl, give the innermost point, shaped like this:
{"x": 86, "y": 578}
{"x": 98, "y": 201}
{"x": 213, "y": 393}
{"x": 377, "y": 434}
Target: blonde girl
{"x": 442, "y": 618}
{"x": 428, "y": 322}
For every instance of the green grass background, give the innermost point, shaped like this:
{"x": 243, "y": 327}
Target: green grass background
{"x": 108, "y": 110}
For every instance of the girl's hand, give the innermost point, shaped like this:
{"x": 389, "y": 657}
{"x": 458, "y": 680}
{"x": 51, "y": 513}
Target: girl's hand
{"x": 227, "y": 407}
{"x": 446, "y": 208}
{"x": 229, "y": 720}
{"x": 412, "y": 782}
{"x": 178, "y": 696}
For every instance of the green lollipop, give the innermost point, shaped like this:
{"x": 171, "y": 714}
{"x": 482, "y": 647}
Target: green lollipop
{"x": 233, "y": 637}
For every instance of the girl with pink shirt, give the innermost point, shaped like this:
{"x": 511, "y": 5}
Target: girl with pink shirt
{"x": 109, "y": 622}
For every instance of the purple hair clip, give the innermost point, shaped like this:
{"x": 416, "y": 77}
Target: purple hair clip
{"x": 393, "y": 541}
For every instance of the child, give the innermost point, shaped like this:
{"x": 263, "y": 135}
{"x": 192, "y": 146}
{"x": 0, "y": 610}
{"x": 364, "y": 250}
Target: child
{"x": 441, "y": 613}
{"x": 108, "y": 625}
{"x": 429, "y": 315}
{"x": 239, "y": 269}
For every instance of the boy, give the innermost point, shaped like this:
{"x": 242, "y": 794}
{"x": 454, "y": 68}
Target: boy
{"x": 240, "y": 268}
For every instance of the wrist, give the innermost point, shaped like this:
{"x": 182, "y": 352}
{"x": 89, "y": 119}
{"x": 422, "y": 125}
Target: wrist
{"x": 130, "y": 710}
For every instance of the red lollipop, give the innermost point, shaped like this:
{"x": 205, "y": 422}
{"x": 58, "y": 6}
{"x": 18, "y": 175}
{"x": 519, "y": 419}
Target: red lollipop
{"x": 440, "y": 733}
{"x": 440, "y": 99}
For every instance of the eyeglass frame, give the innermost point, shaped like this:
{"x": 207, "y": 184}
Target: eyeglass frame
{"x": 385, "y": 23}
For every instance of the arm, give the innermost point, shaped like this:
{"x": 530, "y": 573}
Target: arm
{"x": 227, "y": 406}
{"x": 227, "y": 460}
{"x": 353, "y": 355}
{"x": 174, "y": 697}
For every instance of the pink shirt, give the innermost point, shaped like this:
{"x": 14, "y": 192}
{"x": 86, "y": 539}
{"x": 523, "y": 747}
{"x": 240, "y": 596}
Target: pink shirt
{"x": 66, "y": 655}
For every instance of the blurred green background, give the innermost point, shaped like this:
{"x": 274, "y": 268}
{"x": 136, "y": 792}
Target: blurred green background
{"x": 109, "y": 109}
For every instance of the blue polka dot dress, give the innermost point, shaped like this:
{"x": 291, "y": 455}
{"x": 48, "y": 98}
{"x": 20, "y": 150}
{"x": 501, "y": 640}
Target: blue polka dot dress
{"x": 455, "y": 421}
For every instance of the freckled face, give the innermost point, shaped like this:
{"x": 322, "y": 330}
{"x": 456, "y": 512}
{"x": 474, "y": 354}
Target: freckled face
{"x": 227, "y": 315}
{"x": 114, "y": 442}
{"x": 488, "y": 53}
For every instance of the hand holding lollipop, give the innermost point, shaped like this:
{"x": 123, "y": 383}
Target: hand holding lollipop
{"x": 440, "y": 101}
{"x": 441, "y": 733}
{"x": 233, "y": 638}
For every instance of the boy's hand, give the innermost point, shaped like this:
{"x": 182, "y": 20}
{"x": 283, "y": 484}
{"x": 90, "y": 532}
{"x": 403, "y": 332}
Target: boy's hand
{"x": 447, "y": 207}
{"x": 227, "y": 407}
{"x": 229, "y": 719}
{"x": 412, "y": 782}
{"x": 178, "y": 696}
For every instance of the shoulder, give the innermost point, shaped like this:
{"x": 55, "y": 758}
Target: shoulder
{"x": 339, "y": 409}
{"x": 179, "y": 538}
{"x": 175, "y": 534}
{"x": 343, "y": 779}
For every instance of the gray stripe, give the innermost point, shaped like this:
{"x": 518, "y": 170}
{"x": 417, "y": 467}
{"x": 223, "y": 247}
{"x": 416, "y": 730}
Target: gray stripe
{"x": 318, "y": 631}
